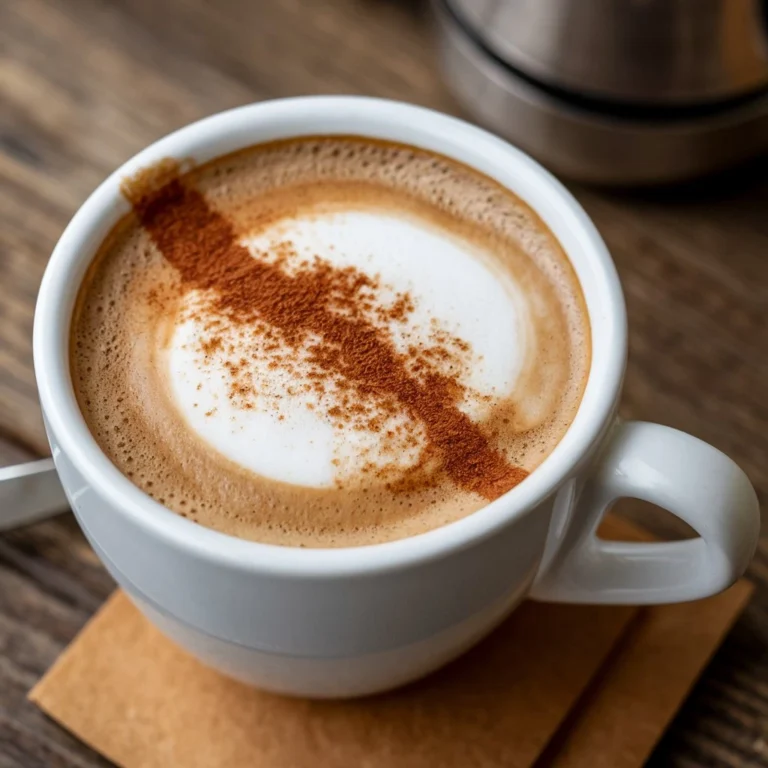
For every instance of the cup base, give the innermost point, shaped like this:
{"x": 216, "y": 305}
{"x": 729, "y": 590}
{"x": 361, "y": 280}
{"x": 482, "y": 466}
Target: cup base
{"x": 329, "y": 678}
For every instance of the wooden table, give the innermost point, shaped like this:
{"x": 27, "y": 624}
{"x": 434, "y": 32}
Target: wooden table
{"x": 84, "y": 84}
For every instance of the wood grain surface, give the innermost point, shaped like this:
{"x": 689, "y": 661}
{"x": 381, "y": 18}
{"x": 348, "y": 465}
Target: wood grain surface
{"x": 84, "y": 84}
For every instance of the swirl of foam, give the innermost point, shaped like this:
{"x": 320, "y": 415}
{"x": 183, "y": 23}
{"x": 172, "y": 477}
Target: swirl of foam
{"x": 266, "y": 405}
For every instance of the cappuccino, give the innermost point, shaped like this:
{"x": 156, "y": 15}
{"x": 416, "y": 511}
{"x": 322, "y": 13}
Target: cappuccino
{"x": 328, "y": 341}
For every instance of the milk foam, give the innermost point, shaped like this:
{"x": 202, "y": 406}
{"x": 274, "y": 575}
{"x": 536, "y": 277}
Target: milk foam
{"x": 232, "y": 423}
{"x": 286, "y": 433}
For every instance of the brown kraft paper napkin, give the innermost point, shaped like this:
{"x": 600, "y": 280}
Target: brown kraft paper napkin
{"x": 634, "y": 697}
{"x": 136, "y": 698}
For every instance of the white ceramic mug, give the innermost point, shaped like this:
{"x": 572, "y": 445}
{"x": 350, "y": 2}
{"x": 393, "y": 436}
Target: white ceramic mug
{"x": 346, "y": 622}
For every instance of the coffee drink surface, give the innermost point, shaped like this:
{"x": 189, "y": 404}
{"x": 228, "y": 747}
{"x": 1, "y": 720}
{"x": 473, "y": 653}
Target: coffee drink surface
{"x": 328, "y": 341}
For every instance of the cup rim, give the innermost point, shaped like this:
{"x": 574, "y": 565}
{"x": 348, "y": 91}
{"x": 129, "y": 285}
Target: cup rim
{"x": 314, "y": 115}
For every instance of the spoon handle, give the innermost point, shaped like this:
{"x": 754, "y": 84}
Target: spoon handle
{"x": 29, "y": 492}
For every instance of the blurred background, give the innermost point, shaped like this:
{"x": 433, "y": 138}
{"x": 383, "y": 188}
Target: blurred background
{"x": 84, "y": 84}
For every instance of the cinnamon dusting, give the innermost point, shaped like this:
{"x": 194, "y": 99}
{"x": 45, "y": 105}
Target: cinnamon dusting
{"x": 326, "y": 312}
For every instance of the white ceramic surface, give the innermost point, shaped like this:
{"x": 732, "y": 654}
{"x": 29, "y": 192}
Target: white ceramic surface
{"x": 353, "y": 621}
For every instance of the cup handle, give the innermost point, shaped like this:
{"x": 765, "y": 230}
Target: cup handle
{"x": 680, "y": 473}
{"x": 29, "y": 492}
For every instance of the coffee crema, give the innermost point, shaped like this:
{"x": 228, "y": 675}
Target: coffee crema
{"x": 328, "y": 341}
